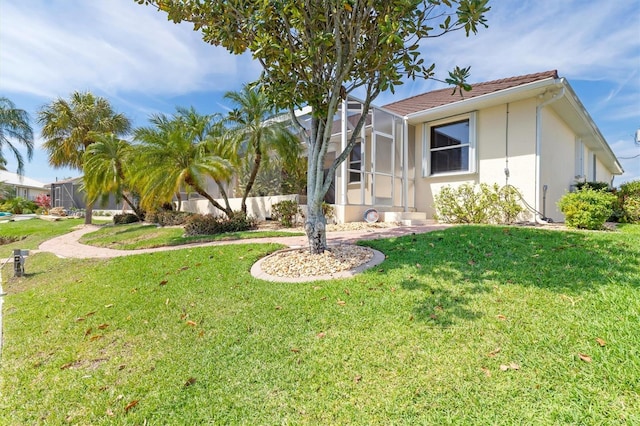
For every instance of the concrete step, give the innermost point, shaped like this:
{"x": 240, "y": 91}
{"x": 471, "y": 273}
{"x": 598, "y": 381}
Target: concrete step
{"x": 407, "y": 218}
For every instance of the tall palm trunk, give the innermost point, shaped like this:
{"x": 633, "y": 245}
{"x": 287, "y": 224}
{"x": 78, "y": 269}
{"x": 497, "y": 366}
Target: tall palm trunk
{"x": 88, "y": 213}
{"x": 252, "y": 179}
{"x": 223, "y": 192}
{"x": 136, "y": 210}
{"x": 227, "y": 210}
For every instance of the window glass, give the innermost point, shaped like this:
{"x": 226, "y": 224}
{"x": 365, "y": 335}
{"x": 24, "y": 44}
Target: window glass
{"x": 355, "y": 163}
{"x": 450, "y": 160}
{"x": 449, "y": 146}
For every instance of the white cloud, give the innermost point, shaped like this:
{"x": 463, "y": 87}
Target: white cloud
{"x": 110, "y": 46}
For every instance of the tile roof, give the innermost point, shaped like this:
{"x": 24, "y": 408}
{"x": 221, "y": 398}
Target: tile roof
{"x": 441, "y": 97}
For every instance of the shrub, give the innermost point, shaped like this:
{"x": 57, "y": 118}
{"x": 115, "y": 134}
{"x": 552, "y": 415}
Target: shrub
{"x": 587, "y": 208}
{"x": 168, "y": 217}
{"x": 43, "y": 201}
{"x": 286, "y": 212}
{"x": 19, "y": 205}
{"x": 469, "y": 203}
{"x": 597, "y": 186}
{"x": 199, "y": 224}
{"x": 628, "y": 202}
{"x": 121, "y": 219}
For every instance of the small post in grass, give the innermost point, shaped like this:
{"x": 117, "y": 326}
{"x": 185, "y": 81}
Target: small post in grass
{"x": 18, "y": 261}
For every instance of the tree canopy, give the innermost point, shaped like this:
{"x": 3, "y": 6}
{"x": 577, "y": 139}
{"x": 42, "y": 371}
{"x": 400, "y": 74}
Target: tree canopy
{"x": 175, "y": 152}
{"x": 14, "y": 126}
{"x": 317, "y": 52}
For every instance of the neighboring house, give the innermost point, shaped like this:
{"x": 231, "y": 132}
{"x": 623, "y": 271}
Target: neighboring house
{"x": 530, "y": 131}
{"x": 69, "y": 195}
{"x": 24, "y": 187}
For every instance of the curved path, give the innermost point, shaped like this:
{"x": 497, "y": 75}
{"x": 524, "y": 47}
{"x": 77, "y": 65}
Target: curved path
{"x": 68, "y": 245}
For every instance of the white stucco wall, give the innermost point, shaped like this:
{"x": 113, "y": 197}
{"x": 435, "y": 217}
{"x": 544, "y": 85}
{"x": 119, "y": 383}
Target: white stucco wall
{"x": 257, "y": 207}
{"x": 558, "y": 163}
{"x": 495, "y": 138}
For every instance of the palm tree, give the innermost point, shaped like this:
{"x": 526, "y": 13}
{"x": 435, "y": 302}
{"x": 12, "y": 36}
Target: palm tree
{"x": 107, "y": 171}
{"x": 259, "y": 133}
{"x": 69, "y": 127}
{"x": 14, "y": 125}
{"x": 176, "y": 152}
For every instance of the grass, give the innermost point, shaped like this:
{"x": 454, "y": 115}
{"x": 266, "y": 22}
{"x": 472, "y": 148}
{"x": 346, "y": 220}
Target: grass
{"x": 421, "y": 339}
{"x": 137, "y": 236}
{"x": 32, "y": 232}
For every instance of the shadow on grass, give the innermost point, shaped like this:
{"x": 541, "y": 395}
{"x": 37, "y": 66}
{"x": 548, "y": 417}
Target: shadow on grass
{"x": 455, "y": 265}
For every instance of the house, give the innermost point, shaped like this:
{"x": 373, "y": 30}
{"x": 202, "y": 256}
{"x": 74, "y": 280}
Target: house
{"x": 69, "y": 194}
{"x": 24, "y": 187}
{"x": 530, "y": 131}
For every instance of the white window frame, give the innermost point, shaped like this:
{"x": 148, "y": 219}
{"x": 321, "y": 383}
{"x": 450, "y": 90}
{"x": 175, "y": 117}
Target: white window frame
{"x": 426, "y": 144}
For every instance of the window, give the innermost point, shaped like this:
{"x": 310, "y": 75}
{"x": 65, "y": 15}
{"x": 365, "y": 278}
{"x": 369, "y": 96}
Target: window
{"x": 450, "y": 146}
{"x": 355, "y": 163}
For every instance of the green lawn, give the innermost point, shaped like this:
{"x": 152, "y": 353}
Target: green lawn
{"x": 139, "y": 236}
{"x": 32, "y": 232}
{"x": 470, "y": 325}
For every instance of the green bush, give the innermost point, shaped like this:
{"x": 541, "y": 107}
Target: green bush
{"x": 168, "y": 217}
{"x": 587, "y": 208}
{"x": 199, "y": 224}
{"x": 469, "y": 203}
{"x": 597, "y": 186}
{"x": 286, "y": 212}
{"x": 628, "y": 202}
{"x": 121, "y": 219}
{"x": 19, "y": 205}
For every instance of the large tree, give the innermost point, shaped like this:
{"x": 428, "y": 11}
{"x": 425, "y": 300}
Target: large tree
{"x": 316, "y": 52}
{"x": 259, "y": 134}
{"x": 14, "y": 127}
{"x": 70, "y": 126}
{"x": 108, "y": 170}
{"x": 177, "y": 152}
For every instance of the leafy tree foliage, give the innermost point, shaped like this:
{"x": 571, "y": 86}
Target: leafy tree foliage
{"x": 70, "y": 126}
{"x": 316, "y": 52}
{"x": 107, "y": 171}
{"x": 258, "y": 134}
{"x": 14, "y": 127}
{"x": 179, "y": 151}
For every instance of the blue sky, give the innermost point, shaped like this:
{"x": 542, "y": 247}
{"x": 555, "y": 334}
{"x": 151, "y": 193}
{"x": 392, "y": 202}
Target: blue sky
{"x": 144, "y": 64}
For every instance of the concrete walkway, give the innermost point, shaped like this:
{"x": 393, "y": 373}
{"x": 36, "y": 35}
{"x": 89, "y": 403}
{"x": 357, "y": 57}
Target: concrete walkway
{"x": 68, "y": 245}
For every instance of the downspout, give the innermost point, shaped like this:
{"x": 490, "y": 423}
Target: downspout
{"x": 506, "y": 149}
{"x": 405, "y": 163}
{"x": 555, "y": 97}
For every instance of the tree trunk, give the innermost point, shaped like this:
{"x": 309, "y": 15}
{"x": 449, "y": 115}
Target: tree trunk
{"x": 223, "y": 193}
{"x": 136, "y": 209}
{"x": 252, "y": 179}
{"x": 179, "y": 198}
{"x": 227, "y": 210}
{"x": 316, "y": 227}
{"x": 88, "y": 213}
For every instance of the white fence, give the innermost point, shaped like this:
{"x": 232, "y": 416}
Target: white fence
{"x": 257, "y": 207}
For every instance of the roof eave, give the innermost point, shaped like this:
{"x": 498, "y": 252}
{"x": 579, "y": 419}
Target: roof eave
{"x": 592, "y": 129}
{"x": 465, "y": 105}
